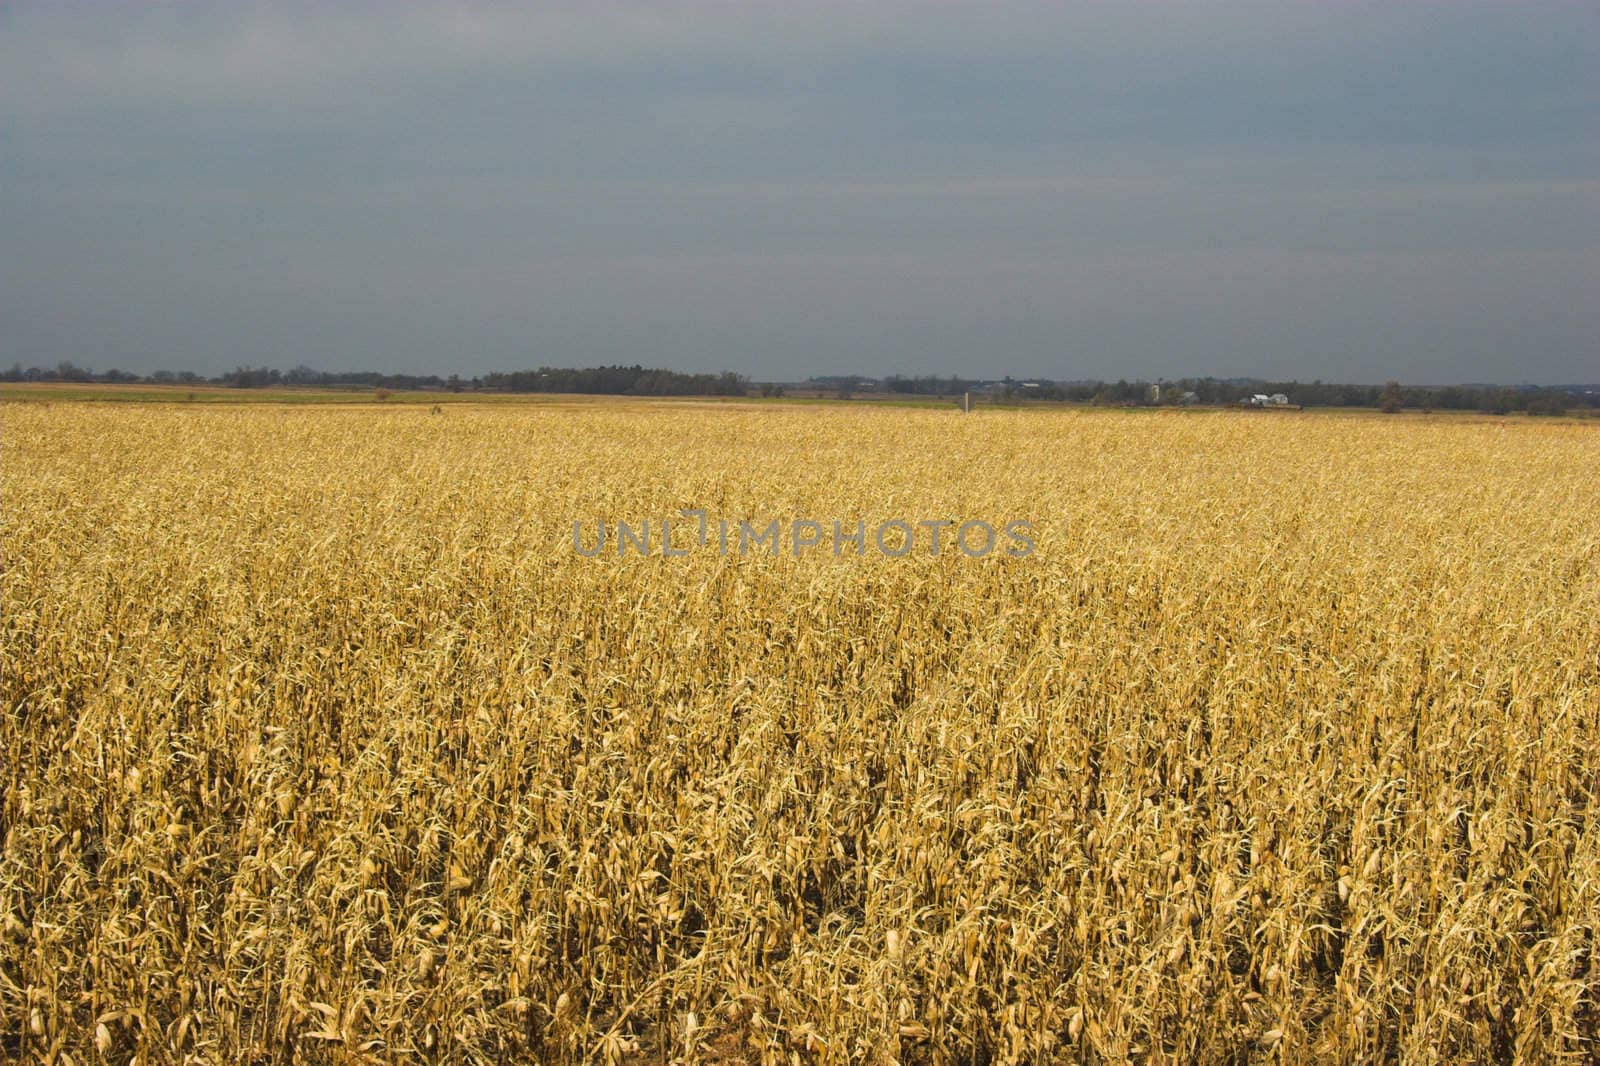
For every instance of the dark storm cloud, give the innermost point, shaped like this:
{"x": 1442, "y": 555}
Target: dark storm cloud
{"x": 1334, "y": 191}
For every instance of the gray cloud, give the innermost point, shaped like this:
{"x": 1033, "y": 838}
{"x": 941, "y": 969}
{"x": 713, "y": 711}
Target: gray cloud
{"x": 1345, "y": 192}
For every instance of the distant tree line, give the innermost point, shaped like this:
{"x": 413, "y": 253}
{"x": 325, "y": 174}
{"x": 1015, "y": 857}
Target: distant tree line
{"x": 643, "y": 381}
{"x": 613, "y": 380}
{"x": 928, "y": 385}
{"x": 616, "y": 381}
{"x": 1494, "y": 399}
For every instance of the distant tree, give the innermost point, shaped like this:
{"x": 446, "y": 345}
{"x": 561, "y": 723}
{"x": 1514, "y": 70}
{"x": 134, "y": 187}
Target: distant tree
{"x": 246, "y": 377}
{"x": 1392, "y": 398}
{"x": 1549, "y": 402}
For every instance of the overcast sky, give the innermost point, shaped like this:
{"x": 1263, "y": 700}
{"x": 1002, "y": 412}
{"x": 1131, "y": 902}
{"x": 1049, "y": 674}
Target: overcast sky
{"x": 1345, "y": 191}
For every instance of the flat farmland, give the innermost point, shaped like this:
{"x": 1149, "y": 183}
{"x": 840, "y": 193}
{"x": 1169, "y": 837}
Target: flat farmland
{"x": 1269, "y": 739}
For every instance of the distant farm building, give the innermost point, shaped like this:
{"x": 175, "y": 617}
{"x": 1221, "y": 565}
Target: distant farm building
{"x": 1261, "y": 399}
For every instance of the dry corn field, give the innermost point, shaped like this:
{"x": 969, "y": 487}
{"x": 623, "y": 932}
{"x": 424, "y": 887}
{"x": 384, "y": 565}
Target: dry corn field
{"x": 321, "y": 743}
